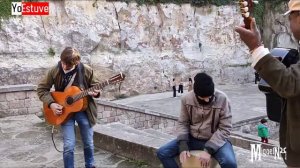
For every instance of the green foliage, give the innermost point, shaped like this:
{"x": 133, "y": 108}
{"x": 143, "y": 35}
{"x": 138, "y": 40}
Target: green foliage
{"x": 193, "y": 2}
{"x": 139, "y": 163}
{"x": 5, "y": 9}
{"x": 258, "y": 12}
{"x": 259, "y": 9}
{"x": 51, "y": 52}
{"x": 196, "y": 2}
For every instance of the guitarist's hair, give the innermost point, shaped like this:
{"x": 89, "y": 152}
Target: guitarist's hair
{"x": 70, "y": 56}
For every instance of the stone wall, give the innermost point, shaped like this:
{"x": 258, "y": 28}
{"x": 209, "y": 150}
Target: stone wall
{"x": 137, "y": 118}
{"x": 19, "y": 100}
{"x": 22, "y": 99}
{"x": 151, "y": 44}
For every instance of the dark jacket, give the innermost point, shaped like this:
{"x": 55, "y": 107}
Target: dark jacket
{"x": 286, "y": 82}
{"x": 54, "y": 77}
{"x": 206, "y": 122}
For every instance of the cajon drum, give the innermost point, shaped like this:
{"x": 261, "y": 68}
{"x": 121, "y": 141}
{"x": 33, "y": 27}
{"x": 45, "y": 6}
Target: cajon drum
{"x": 194, "y": 162}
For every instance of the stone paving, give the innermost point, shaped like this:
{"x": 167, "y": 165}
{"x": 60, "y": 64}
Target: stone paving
{"x": 25, "y": 142}
{"x": 246, "y": 101}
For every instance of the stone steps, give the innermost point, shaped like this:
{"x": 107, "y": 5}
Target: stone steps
{"x": 142, "y": 145}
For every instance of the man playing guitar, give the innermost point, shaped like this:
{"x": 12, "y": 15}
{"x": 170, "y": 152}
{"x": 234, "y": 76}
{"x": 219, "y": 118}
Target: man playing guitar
{"x": 69, "y": 72}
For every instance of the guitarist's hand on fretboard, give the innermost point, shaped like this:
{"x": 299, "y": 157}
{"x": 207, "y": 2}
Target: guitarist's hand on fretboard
{"x": 94, "y": 93}
{"x": 56, "y": 108}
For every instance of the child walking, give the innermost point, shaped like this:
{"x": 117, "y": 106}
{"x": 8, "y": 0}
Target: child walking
{"x": 263, "y": 131}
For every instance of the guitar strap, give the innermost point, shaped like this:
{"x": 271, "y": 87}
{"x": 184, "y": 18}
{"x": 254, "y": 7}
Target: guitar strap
{"x": 80, "y": 72}
{"x": 71, "y": 81}
{"x": 82, "y": 83}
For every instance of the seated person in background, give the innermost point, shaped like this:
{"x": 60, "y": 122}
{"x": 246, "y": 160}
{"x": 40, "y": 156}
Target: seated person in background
{"x": 204, "y": 124}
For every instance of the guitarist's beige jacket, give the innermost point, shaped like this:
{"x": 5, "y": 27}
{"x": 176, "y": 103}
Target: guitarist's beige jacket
{"x": 53, "y": 77}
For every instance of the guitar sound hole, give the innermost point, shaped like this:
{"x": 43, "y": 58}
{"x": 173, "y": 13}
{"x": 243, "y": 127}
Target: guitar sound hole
{"x": 70, "y": 100}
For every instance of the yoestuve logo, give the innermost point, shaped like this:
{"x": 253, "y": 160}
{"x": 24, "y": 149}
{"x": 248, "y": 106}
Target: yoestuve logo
{"x": 30, "y": 8}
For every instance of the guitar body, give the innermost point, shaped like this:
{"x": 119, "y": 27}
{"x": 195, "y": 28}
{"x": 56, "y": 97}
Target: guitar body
{"x": 74, "y": 100}
{"x": 61, "y": 98}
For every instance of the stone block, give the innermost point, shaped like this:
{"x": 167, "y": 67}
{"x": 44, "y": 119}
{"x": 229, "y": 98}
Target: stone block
{"x": 142, "y": 115}
{"x": 32, "y": 103}
{"x": 2, "y": 97}
{"x": 4, "y": 106}
{"x": 10, "y": 96}
{"x": 100, "y": 108}
{"x": 15, "y": 96}
{"x": 148, "y": 117}
{"x": 34, "y": 110}
{"x": 12, "y": 112}
{"x": 117, "y": 118}
{"x": 15, "y": 104}
{"x": 130, "y": 115}
{"x": 131, "y": 121}
{"x": 107, "y": 108}
{"x": 141, "y": 124}
{"x": 22, "y": 111}
{"x": 106, "y": 114}
{"x": 146, "y": 124}
{"x": 170, "y": 123}
{"x": 126, "y": 122}
{"x": 113, "y": 113}
{"x": 119, "y": 111}
{"x": 161, "y": 125}
{"x": 100, "y": 115}
{"x": 32, "y": 95}
{"x": 103, "y": 121}
{"x": 20, "y": 95}
{"x": 142, "y": 118}
{"x": 111, "y": 119}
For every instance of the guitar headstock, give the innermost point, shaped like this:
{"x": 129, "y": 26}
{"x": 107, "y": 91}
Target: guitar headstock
{"x": 116, "y": 79}
{"x": 246, "y": 7}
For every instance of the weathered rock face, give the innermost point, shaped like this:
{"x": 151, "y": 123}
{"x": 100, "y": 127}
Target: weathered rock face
{"x": 150, "y": 44}
{"x": 276, "y": 28}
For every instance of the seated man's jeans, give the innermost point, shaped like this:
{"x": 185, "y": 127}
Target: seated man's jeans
{"x": 86, "y": 132}
{"x": 167, "y": 153}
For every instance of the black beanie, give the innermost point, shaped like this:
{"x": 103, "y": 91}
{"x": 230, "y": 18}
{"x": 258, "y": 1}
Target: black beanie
{"x": 203, "y": 85}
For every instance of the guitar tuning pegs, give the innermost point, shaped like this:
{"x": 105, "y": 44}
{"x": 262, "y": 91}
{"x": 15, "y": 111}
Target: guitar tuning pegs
{"x": 244, "y": 3}
{"x": 246, "y": 15}
{"x": 246, "y": 9}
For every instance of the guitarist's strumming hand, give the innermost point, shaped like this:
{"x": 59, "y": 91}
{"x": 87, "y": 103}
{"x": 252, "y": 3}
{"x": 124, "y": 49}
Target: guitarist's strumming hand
{"x": 56, "y": 108}
{"x": 95, "y": 93}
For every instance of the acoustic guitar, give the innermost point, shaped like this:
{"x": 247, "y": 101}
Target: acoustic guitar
{"x": 74, "y": 100}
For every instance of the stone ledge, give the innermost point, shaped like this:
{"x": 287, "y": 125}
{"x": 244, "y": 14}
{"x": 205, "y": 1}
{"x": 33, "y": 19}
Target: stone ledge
{"x": 142, "y": 145}
{"x": 248, "y": 121}
{"x": 123, "y": 140}
{"x": 135, "y": 109}
{"x": 17, "y": 88}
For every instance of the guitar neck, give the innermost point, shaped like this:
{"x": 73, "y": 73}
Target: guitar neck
{"x": 84, "y": 93}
